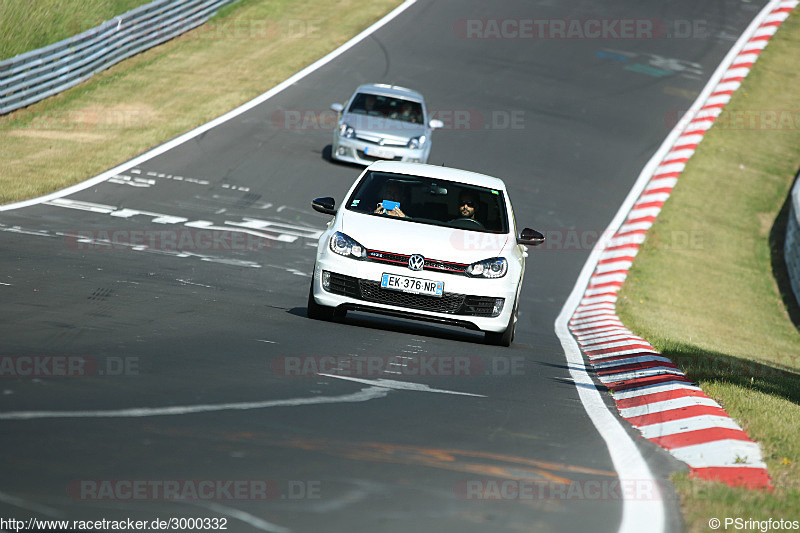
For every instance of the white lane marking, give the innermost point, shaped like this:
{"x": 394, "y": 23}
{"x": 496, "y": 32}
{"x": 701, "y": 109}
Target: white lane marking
{"x": 290, "y": 229}
{"x": 242, "y": 516}
{"x": 83, "y": 206}
{"x": 235, "y": 187}
{"x": 187, "y": 282}
{"x": 366, "y": 394}
{"x": 282, "y": 232}
{"x": 22, "y": 231}
{"x": 173, "y": 253}
{"x": 289, "y": 82}
{"x": 264, "y": 340}
{"x": 161, "y": 175}
{"x": 206, "y": 224}
{"x": 122, "y": 179}
{"x": 400, "y": 385}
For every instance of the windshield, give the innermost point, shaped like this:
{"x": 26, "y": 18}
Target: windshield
{"x": 430, "y": 201}
{"x": 376, "y": 105}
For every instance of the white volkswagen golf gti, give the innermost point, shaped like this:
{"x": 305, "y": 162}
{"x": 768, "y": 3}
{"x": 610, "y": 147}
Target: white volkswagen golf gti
{"x": 423, "y": 242}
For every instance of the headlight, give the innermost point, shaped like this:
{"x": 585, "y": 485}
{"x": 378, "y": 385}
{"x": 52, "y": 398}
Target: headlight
{"x": 415, "y": 143}
{"x": 344, "y": 245}
{"x": 346, "y": 131}
{"x": 495, "y": 267}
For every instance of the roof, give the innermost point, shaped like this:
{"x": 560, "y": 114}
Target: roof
{"x": 437, "y": 172}
{"x": 389, "y": 90}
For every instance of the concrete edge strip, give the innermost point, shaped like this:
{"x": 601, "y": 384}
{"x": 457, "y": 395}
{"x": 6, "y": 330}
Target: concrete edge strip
{"x": 650, "y": 392}
{"x": 177, "y": 141}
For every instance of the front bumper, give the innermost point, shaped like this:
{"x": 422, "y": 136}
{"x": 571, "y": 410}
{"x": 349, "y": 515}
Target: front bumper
{"x": 352, "y": 151}
{"x": 466, "y": 302}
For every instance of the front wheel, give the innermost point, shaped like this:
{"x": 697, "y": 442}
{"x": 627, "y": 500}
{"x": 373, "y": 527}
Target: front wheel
{"x": 315, "y": 310}
{"x": 506, "y": 337}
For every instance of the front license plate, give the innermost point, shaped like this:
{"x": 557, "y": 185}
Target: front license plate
{"x": 412, "y": 285}
{"x": 377, "y": 152}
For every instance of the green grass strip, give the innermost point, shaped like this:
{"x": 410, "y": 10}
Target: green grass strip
{"x": 709, "y": 286}
{"x": 26, "y": 25}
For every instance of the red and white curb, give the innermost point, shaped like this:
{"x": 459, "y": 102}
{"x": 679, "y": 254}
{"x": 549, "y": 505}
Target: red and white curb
{"x": 650, "y": 391}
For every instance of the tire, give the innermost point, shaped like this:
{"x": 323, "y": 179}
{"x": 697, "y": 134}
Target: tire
{"x": 506, "y": 337}
{"x": 316, "y": 311}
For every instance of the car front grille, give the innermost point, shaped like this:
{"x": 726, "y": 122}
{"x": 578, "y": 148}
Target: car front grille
{"x": 367, "y": 157}
{"x": 381, "y": 141}
{"x": 430, "y": 264}
{"x": 448, "y": 303}
{"x": 371, "y": 291}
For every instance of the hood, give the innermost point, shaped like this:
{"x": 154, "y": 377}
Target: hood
{"x": 383, "y": 128}
{"x": 433, "y": 242}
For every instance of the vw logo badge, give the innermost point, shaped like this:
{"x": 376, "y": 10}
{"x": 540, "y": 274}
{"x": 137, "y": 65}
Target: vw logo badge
{"x": 416, "y": 262}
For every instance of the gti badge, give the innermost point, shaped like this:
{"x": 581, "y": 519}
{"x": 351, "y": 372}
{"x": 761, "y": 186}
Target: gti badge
{"x": 416, "y": 262}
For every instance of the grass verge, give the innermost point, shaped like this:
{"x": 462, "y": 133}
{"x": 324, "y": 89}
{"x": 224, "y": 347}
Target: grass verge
{"x": 248, "y": 48}
{"x": 709, "y": 287}
{"x": 26, "y": 25}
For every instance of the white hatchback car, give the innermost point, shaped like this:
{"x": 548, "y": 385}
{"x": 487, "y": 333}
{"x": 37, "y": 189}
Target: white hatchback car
{"x": 383, "y": 122}
{"x": 423, "y": 242}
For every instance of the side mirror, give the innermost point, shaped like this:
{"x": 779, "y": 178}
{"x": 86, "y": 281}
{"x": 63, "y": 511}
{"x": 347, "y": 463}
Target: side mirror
{"x": 530, "y": 237}
{"x": 325, "y": 205}
{"x": 436, "y": 124}
{"x": 337, "y": 107}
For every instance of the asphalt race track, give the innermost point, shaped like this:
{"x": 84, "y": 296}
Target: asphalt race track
{"x": 199, "y": 370}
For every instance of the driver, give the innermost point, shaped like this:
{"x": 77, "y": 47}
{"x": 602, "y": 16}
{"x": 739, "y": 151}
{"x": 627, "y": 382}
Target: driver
{"x": 467, "y": 205}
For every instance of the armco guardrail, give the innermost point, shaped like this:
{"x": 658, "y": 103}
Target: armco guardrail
{"x": 35, "y": 75}
{"x": 791, "y": 247}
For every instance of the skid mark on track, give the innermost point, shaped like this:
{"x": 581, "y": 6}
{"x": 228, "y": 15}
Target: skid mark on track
{"x": 475, "y": 462}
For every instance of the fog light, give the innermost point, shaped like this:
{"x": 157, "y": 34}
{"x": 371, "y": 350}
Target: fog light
{"x": 326, "y": 281}
{"x": 498, "y": 306}
{"x": 341, "y": 150}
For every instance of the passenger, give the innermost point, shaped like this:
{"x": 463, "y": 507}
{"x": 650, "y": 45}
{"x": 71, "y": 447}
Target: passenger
{"x": 392, "y": 191}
